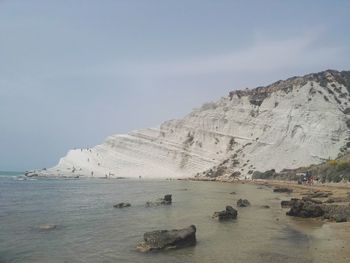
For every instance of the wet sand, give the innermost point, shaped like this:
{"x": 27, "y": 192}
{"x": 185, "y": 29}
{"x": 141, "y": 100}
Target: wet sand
{"x": 332, "y": 240}
{"x": 337, "y": 189}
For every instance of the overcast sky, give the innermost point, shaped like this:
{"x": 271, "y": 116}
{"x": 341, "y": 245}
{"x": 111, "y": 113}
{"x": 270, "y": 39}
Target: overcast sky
{"x": 74, "y": 72}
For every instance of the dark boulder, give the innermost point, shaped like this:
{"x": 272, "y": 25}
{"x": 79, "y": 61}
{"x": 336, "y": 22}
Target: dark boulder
{"x": 122, "y": 205}
{"x": 166, "y": 200}
{"x": 229, "y": 213}
{"x": 243, "y": 203}
{"x": 47, "y": 227}
{"x": 168, "y": 239}
{"x": 305, "y": 209}
{"x": 283, "y": 190}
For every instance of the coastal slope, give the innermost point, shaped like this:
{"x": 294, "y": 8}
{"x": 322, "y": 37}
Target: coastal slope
{"x": 290, "y": 123}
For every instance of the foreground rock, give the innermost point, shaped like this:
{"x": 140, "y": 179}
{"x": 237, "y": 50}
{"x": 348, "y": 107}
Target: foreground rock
{"x": 228, "y": 213}
{"x": 122, "y": 205}
{"x": 166, "y": 200}
{"x": 305, "y": 209}
{"x": 243, "y": 203}
{"x": 168, "y": 239}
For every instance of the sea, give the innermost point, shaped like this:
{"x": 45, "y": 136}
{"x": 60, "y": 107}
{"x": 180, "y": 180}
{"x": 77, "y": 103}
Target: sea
{"x": 89, "y": 229}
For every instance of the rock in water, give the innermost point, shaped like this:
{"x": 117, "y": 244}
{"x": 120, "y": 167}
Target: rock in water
{"x": 243, "y": 203}
{"x": 166, "y": 200}
{"x": 305, "y": 209}
{"x": 283, "y": 190}
{"x": 122, "y": 205}
{"x": 229, "y": 213}
{"x": 168, "y": 239}
{"x": 47, "y": 227}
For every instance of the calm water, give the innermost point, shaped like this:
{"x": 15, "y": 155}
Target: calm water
{"x": 91, "y": 230}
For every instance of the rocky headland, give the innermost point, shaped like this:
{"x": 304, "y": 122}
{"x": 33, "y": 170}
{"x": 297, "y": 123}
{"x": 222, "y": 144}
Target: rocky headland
{"x": 289, "y": 124}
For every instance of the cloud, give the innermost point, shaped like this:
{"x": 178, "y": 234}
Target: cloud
{"x": 263, "y": 55}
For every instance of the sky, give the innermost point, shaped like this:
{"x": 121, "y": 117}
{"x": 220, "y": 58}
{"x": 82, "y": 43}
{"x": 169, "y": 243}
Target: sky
{"x": 74, "y": 72}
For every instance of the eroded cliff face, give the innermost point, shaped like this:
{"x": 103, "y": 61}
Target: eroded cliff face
{"x": 291, "y": 123}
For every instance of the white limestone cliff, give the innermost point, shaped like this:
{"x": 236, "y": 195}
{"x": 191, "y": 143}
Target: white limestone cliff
{"x": 291, "y": 123}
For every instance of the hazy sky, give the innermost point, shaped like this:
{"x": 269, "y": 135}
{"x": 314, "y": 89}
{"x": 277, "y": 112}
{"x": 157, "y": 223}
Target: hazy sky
{"x": 74, "y": 72}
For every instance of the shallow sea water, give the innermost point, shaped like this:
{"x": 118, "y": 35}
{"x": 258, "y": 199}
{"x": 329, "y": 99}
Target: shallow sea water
{"x": 91, "y": 230}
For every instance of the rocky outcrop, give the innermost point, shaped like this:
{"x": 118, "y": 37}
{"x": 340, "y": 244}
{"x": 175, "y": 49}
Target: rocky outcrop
{"x": 168, "y": 239}
{"x": 305, "y": 209}
{"x": 310, "y": 208}
{"x": 288, "y": 124}
{"x": 228, "y": 213}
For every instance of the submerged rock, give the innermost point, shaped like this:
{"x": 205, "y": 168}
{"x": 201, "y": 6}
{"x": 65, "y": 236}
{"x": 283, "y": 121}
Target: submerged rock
{"x": 265, "y": 206}
{"x": 305, "y": 209}
{"x": 122, "y": 205}
{"x": 283, "y": 190}
{"x": 243, "y": 203}
{"x": 47, "y": 227}
{"x": 229, "y": 213}
{"x": 168, "y": 239}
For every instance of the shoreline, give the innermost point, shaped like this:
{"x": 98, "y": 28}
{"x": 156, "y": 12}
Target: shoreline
{"x": 337, "y": 189}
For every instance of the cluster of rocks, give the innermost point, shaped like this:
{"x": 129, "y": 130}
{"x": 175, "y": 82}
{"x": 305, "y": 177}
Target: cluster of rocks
{"x": 229, "y": 212}
{"x": 178, "y": 238}
{"x": 311, "y": 208}
{"x": 166, "y": 200}
{"x": 164, "y": 239}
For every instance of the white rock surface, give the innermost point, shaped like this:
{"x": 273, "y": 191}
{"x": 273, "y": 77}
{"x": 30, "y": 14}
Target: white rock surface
{"x": 292, "y": 123}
